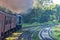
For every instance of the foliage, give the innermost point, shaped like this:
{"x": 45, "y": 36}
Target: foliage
{"x": 56, "y": 32}
{"x": 5, "y": 10}
{"x": 30, "y": 25}
{"x": 43, "y": 13}
{"x": 35, "y": 36}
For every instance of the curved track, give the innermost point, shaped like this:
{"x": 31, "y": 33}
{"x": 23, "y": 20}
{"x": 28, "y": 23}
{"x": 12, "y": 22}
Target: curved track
{"x": 44, "y": 34}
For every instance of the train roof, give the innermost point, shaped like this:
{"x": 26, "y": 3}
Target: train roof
{"x": 18, "y": 15}
{"x": 6, "y": 13}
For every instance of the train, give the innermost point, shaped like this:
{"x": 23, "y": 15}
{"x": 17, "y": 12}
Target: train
{"x": 9, "y": 23}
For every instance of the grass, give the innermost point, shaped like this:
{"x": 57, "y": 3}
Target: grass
{"x": 38, "y": 24}
{"x": 56, "y": 32}
{"x": 28, "y": 25}
{"x": 35, "y": 37}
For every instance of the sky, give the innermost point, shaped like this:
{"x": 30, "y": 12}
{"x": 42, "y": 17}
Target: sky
{"x": 20, "y": 5}
{"x": 17, "y": 5}
{"x": 56, "y": 2}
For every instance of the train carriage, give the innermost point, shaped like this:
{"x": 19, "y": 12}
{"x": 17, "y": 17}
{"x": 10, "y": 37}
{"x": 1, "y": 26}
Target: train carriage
{"x": 8, "y": 24}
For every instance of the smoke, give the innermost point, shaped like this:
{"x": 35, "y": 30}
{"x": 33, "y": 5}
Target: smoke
{"x": 17, "y": 5}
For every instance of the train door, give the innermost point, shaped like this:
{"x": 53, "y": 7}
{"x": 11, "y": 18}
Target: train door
{"x": 7, "y": 23}
{"x": 13, "y": 23}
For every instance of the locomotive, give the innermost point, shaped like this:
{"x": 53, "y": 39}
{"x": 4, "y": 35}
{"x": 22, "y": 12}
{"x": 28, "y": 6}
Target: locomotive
{"x": 8, "y": 24}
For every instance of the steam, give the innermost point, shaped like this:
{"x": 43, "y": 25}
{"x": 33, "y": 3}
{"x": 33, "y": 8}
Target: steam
{"x": 17, "y": 5}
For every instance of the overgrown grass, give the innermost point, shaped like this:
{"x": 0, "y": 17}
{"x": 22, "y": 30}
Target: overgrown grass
{"x": 28, "y": 25}
{"x": 56, "y": 32}
{"x": 35, "y": 37}
{"x": 37, "y": 24}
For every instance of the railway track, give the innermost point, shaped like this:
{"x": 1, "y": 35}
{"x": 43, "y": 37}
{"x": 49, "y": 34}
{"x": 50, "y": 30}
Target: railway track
{"x": 44, "y": 34}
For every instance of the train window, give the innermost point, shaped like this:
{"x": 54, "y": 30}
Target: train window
{"x": 1, "y": 22}
{"x": 13, "y": 19}
{"x": 7, "y": 20}
{"x": 10, "y": 20}
{"x": 19, "y": 20}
